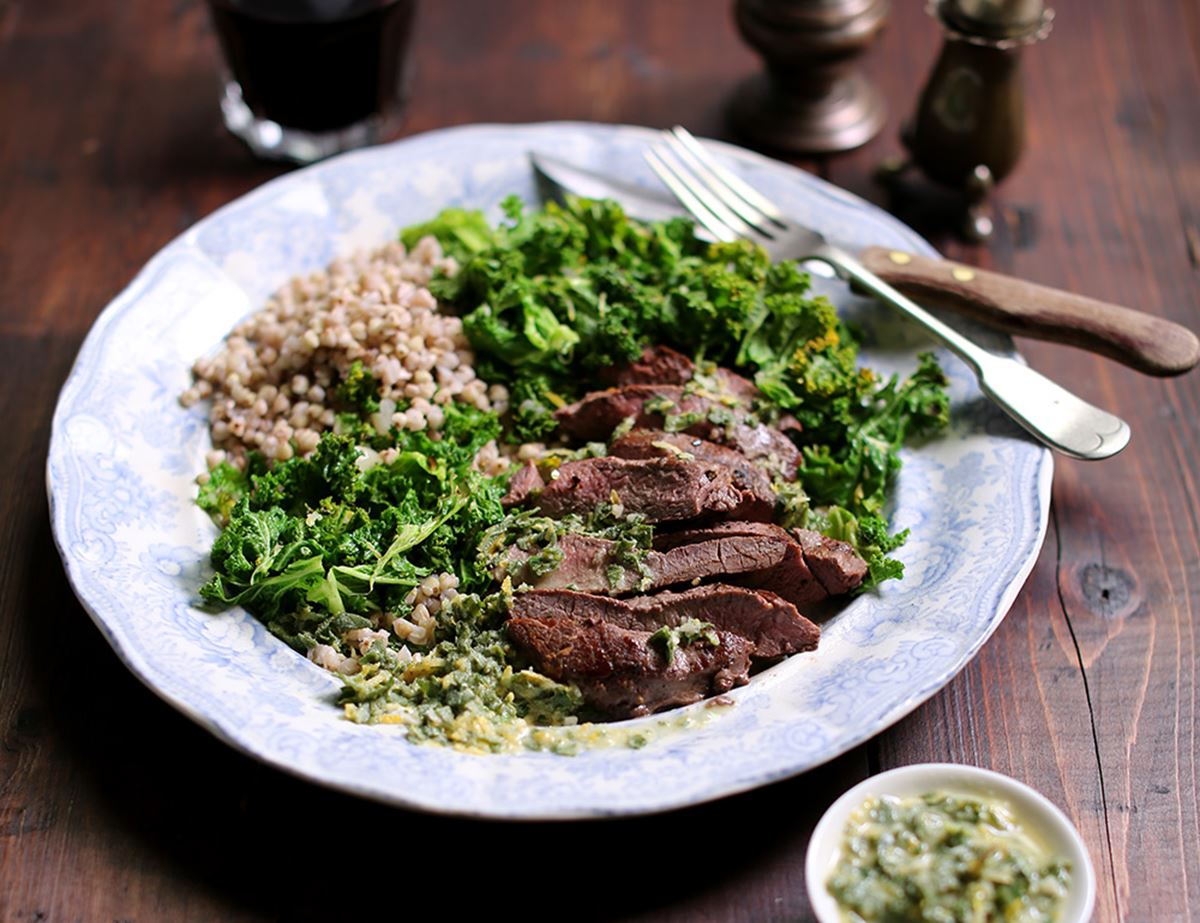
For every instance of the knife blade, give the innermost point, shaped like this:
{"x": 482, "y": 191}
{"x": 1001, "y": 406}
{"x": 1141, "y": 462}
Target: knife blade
{"x": 1145, "y": 342}
{"x": 557, "y": 177}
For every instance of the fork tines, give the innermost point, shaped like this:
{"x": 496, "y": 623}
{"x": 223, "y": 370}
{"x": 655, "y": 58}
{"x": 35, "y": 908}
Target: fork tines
{"x": 718, "y": 199}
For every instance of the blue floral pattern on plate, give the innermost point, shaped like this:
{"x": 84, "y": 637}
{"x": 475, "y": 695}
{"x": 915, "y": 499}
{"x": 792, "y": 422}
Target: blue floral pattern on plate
{"x": 123, "y": 455}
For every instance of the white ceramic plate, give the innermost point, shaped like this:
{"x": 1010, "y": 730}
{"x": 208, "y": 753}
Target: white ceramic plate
{"x": 123, "y": 456}
{"x": 1040, "y": 817}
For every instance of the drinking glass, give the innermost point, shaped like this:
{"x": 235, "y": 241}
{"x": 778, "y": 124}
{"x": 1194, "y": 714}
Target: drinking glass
{"x": 305, "y": 79}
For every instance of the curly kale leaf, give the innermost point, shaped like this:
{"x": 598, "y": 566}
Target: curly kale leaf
{"x": 858, "y": 469}
{"x": 532, "y": 402}
{"x": 358, "y": 391}
{"x": 805, "y": 358}
{"x": 301, "y": 483}
{"x": 581, "y": 286}
{"x": 316, "y": 545}
{"x": 461, "y": 232}
{"x": 516, "y": 327}
{"x": 218, "y": 495}
{"x": 868, "y": 534}
{"x": 713, "y": 305}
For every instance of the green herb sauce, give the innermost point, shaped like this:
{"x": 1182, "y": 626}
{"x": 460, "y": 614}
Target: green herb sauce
{"x": 668, "y": 640}
{"x": 945, "y": 859}
{"x": 537, "y": 536}
{"x": 467, "y": 692}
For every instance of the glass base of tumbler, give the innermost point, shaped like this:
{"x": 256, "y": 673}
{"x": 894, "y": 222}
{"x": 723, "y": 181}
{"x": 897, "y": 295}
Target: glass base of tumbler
{"x": 272, "y": 141}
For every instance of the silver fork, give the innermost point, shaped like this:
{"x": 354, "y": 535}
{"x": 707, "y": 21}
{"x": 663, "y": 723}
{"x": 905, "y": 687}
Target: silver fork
{"x": 729, "y": 208}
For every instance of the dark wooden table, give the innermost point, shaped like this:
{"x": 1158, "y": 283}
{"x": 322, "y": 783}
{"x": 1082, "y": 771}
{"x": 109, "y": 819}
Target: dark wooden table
{"x": 112, "y": 806}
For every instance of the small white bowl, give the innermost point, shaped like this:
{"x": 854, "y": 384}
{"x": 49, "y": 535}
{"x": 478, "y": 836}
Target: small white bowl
{"x": 1031, "y": 809}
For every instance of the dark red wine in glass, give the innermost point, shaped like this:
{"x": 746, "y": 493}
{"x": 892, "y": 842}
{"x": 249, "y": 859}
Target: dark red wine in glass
{"x": 309, "y": 78}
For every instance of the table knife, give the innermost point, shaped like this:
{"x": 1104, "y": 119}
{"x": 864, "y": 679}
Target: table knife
{"x": 1144, "y": 342}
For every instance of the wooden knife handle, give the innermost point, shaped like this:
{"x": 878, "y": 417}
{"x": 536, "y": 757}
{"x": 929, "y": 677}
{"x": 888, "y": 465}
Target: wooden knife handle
{"x": 1142, "y": 341}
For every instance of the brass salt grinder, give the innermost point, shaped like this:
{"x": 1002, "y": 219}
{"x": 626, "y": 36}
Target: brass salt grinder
{"x": 969, "y": 127}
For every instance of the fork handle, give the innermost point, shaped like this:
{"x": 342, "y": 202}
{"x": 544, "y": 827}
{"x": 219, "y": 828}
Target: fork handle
{"x": 1142, "y": 341}
{"x": 1048, "y": 411}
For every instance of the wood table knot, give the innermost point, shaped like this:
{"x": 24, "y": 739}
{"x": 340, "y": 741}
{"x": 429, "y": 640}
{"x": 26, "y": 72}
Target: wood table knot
{"x": 1109, "y": 592}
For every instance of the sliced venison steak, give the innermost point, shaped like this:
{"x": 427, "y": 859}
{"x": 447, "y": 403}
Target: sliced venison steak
{"x": 835, "y": 564}
{"x": 599, "y": 413}
{"x": 593, "y": 565}
{"x": 661, "y": 365}
{"x": 657, "y": 365}
{"x": 663, "y": 489}
{"x": 758, "y": 499}
{"x": 526, "y": 482}
{"x": 587, "y": 564}
{"x": 772, "y": 623}
{"x": 790, "y": 577}
{"x": 619, "y": 671}
{"x": 816, "y": 567}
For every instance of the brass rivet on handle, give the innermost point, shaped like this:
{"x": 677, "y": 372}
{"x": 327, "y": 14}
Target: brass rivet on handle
{"x": 962, "y": 274}
{"x": 899, "y": 258}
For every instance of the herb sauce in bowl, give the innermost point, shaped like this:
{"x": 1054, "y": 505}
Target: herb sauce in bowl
{"x": 947, "y": 843}
{"x": 945, "y": 857}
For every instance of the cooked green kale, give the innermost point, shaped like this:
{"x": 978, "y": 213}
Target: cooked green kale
{"x": 315, "y": 546}
{"x": 358, "y": 391}
{"x": 855, "y": 467}
{"x": 460, "y": 232}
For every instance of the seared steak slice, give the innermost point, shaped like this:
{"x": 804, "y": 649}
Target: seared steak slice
{"x": 661, "y": 365}
{"x": 619, "y": 671}
{"x": 588, "y": 564}
{"x": 790, "y": 577}
{"x": 663, "y": 489}
{"x": 521, "y": 485}
{"x": 599, "y": 413}
{"x": 773, "y": 624}
{"x": 835, "y": 564}
{"x": 758, "y": 499}
{"x": 658, "y": 365}
{"x": 593, "y": 565}
{"x": 664, "y": 541}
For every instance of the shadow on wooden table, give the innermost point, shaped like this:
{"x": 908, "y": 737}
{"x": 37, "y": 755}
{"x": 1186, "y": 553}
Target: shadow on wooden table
{"x": 183, "y": 811}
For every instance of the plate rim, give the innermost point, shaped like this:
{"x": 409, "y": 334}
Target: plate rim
{"x": 124, "y": 299}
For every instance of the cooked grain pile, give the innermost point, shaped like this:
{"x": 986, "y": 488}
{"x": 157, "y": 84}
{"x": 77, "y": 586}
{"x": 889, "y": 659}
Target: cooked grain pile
{"x": 272, "y": 382}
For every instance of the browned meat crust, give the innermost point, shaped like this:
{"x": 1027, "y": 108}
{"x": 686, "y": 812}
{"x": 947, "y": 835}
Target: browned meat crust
{"x": 663, "y": 489}
{"x": 772, "y": 623}
{"x": 599, "y": 413}
{"x": 620, "y": 673}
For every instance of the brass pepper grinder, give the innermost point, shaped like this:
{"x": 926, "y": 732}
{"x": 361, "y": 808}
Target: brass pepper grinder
{"x": 970, "y": 122}
{"x": 811, "y": 99}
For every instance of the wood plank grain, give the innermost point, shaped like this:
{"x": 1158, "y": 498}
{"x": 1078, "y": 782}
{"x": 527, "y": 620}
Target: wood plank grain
{"x": 1129, "y": 525}
{"x": 1101, "y": 205}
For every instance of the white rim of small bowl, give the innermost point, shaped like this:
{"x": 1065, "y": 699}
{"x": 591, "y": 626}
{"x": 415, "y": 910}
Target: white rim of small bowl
{"x": 1030, "y": 806}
